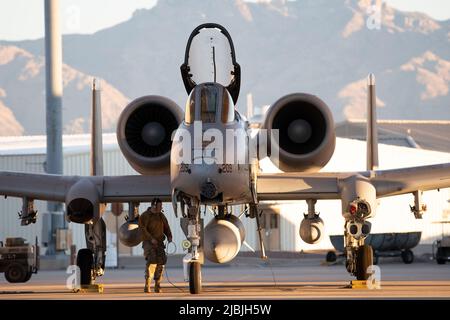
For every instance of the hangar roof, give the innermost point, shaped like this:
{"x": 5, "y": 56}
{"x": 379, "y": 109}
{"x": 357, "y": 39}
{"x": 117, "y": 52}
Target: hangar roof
{"x": 424, "y": 134}
{"x": 72, "y": 143}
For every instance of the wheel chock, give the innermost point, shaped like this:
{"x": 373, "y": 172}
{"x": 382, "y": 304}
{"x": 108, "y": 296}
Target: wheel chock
{"x": 89, "y": 288}
{"x": 364, "y": 284}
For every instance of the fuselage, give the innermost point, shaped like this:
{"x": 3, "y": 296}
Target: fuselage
{"x": 210, "y": 150}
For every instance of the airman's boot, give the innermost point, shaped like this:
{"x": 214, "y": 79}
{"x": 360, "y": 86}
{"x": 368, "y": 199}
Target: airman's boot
{"x": 158, "y": 286}
{"x": 147, "y": 285}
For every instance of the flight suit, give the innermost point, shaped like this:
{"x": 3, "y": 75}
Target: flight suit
{"x": 155, "y": 229}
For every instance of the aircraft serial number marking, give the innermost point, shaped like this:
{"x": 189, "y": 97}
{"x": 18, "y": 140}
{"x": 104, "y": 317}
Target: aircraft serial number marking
{"x": 184, "y": 168}
{"x": 226, "y": 168}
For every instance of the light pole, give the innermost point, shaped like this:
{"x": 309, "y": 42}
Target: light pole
{"x": 54, "y": 92}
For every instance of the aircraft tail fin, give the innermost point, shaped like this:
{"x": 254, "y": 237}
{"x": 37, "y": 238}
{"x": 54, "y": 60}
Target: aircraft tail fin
{"x": 372, "y": 130}
{"x": 96, "y": 131}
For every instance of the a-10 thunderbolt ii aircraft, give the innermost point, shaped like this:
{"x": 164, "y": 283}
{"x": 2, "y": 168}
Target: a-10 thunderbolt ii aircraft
{"x": 200, "y": 157}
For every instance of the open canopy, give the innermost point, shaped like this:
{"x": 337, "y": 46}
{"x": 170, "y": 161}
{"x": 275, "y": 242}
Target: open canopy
{"x": 210, "y": 57}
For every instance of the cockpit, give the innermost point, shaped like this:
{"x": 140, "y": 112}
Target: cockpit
{"x": 209, "y": 103}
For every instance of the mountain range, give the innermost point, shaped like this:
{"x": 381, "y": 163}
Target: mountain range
{"x": 324, "y": 47}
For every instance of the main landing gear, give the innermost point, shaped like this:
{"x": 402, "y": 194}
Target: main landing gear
{"x": 359, "y": 255}
{"x": 364, "y": 259}
{"x": 91, "y": 260}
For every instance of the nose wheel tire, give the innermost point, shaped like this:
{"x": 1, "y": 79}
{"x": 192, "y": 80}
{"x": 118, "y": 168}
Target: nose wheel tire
{"x": 195, "y": 277}
{"x": 85, "y": 260}
{"x": 364, "y": 259}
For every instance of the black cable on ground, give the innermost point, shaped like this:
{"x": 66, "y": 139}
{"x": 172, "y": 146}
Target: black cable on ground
{"x": 165, "y": 269}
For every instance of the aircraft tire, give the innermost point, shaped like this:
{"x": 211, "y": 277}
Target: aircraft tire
{"x": 85, "y": 261}
{"x": 195, "y": 277}
{"x": 364, "y": 259}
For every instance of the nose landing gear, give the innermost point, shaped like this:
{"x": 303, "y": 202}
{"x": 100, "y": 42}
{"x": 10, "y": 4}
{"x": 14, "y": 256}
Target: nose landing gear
{"x": 192, "y": 226}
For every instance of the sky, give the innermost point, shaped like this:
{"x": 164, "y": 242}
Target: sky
{"x": 81, "y": 16}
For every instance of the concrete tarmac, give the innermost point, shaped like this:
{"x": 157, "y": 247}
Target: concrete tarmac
{"x": 251, "y": 279}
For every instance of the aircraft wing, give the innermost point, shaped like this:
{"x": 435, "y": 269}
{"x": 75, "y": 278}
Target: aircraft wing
{"x": 400, "y": 181}
{"x": 111, "y": 188}
{"x": 136, "y": 188}
{"x": 297, "y": 186}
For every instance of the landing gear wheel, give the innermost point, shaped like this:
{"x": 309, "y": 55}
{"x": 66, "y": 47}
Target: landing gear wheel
{"x": 364, "y": 259}
{"x": 195, "y": 277}
{"x": 331, "y": 256}
{"x": 16, "y": 273}
{"x": 85, "y": 260}
{"x": 407, "y": 256}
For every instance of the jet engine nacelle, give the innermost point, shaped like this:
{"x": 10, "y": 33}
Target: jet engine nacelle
{"x": 130, "y": 234}
{"x": 305, "y": 131}
{"x": 223, "y": 239}
{"x": 144, "y": 133}
{"x": 311, "y": 230}
{"x": 82, "y": 202}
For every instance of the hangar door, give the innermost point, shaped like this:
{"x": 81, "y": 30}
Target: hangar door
{"x": 270, "y": 223}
